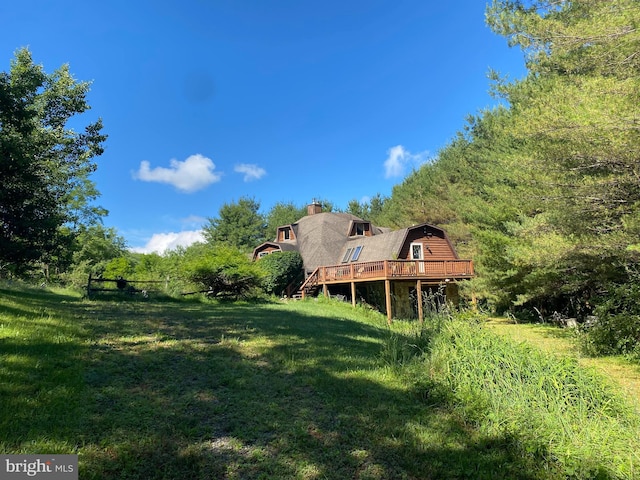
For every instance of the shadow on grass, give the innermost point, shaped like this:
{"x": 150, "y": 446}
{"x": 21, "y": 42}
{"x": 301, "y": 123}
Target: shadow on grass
{"x": 238, "y": 391}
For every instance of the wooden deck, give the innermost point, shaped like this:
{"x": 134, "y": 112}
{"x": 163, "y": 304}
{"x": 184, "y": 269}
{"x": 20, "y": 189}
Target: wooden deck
{"x": 429, "y": 270}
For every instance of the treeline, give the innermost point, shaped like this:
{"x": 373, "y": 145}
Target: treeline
{"x": 543, "y": 192}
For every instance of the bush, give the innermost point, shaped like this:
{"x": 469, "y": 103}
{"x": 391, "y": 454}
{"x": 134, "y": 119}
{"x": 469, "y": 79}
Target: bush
{"x": 281, "y": 269}
{"x": 611, "y": 335}
{"x": 224, "y": 271}
{"x": 617, "y": 329}
{"x": 119, "y": 267}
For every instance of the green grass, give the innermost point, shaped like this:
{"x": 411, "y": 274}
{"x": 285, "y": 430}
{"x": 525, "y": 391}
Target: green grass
{"x": 563, "y": 341}
{"x": 184, "y": 389}
{"x": 564, "y": 415}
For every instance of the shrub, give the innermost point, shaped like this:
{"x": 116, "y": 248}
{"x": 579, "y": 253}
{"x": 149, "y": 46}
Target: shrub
{"x": 281, "y": 268}
{"x": 617, "y": 329}
{"x": 224, "y": 271}
{"x": 119, "y": 267}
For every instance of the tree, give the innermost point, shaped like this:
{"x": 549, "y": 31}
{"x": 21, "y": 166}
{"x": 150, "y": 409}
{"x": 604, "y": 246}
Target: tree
{"x": 93, "y": 247}
{"x": 368, "y": 210}
{"x": 282, "y": 214}
{"x": 238, "y": 224}
{"x": 577, "y": 114}
{"x": 44, "y": 164}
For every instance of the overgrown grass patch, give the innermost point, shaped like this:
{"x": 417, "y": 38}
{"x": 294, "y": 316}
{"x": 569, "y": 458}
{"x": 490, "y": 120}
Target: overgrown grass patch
{"x": 558, "y": 412}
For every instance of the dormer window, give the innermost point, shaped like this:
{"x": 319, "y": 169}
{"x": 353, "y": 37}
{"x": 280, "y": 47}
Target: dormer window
{"x": 360, "y": 229}
{"x": 285, "y": 233}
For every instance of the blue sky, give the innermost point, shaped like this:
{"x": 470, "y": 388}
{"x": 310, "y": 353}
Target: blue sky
{"x": 208, "y": 101}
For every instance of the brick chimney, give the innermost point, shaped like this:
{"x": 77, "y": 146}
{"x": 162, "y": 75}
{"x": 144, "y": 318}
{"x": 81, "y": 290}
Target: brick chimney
{"x": 314, "y": 207}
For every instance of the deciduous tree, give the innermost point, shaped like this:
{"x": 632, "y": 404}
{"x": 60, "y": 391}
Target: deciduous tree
{"x": 44, "y": 163}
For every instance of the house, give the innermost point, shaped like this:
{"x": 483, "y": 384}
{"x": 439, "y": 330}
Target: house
{"x": 346, "y": 255}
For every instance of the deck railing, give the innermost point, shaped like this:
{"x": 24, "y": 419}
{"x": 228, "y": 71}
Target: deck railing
{"x": 394, "y": 269}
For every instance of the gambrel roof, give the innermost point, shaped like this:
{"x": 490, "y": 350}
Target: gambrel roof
{"x": 327, "y": 238}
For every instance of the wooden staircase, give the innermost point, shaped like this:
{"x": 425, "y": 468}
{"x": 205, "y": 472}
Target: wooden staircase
{"x": 310, "y": 286}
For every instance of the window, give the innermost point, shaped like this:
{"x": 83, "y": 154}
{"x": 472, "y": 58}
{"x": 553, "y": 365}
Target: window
{"x": 347, "y": 255}
{"x": 418, "y": 254}
{"x": 356, "y": 253}
{"x": 360, "y": 229}
{"x": 263, "y": 254}
{"x": 285, "y": 233}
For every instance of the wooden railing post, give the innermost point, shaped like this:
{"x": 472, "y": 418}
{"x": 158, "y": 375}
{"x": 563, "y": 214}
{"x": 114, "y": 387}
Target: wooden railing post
{"x": 89, "y": 286}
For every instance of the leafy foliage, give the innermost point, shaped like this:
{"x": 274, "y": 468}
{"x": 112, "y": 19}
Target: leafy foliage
{"x": 122, "y": 267}
{"x": 616, "y": 327}
{"x": 544, "y": 193}
{"x": 44, "y": 163}
{"x": 92, "y": 249}
{"x": 282, "y": 213}
{"x": 223, "y": 270}
{"x": 368, "y": 210}
{"x": 281, "y": 269}
{"x": 238, "y": 224}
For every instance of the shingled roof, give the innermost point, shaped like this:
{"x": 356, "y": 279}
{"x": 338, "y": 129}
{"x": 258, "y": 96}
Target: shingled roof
{"x": 321, "y": 237}
{"x": 377, "y": 247}
{"x": 324, "y": 239}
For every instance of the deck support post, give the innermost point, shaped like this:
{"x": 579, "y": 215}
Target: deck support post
{"x": 353, "y": 293}
{"x": 419, "y": 295}
{"x": 387, "y": 297}
{"x": 325, "y": 290}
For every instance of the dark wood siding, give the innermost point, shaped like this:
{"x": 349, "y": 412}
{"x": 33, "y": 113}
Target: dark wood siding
{"x": 436, "y": 246}
{"x": 285, "y": 234}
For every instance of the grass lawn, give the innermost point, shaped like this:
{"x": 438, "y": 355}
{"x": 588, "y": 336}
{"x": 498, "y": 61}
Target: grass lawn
{"x": 188, "y": 390}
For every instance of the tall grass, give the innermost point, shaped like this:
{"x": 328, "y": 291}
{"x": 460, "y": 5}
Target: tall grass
{"x": 556, "y": 412}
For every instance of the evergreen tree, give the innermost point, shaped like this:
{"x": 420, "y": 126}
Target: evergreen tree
{"x": 239, "y": 224}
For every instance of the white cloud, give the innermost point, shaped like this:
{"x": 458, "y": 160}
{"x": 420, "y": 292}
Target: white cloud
{"x": 162, "y": 242}
{"x": 251, "y": 171}
{"x": 195, "y": 173}
{"x": 399, "y": 159}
